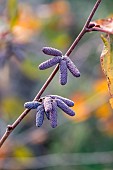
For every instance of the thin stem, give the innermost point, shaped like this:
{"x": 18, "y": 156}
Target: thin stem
{"x": 10, "y": 128}
{"x": 47, "y": 82}
{"x": 92, "y": 13}
{"x": 84, "y": 30}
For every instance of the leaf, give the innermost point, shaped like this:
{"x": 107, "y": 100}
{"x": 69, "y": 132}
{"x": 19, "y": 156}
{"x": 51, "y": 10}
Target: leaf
{"x": 105, "y": 24}
{"x": 12, "y": 11}
{"x": 106, "y": 60}
{"x": 22, "y": 153}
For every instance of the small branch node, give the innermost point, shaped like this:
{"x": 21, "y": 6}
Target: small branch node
{"x": 9, "y": 128}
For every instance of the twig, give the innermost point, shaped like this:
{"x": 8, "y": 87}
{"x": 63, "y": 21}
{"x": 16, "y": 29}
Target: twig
{"x": 10, "y": 128}
{"x": 84, "y": 30}
{"x": 99, "y": 30}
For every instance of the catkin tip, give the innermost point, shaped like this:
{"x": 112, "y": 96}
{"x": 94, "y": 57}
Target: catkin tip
{"x": 53, "y": 126}
{"x": 62, "y": 83}
{"x": 78, "y": 74}
{"x": 51, "y": 51}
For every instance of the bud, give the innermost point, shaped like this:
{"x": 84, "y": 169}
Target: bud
{"x": 51, "y": 51}
{"x": 64, "y": 107}
{"x": 91, "y": 25}
{"x": 53, "y": 115}
{"x": 40, "y": 115}
{"x": 32, "y": 105}
{"x": 49, "y": 63}
{"x": 68, "y": 102}
{"x": 63, "y": 72}
{"x": 72, "y": 68}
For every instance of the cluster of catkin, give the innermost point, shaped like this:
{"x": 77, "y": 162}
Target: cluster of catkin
{"x": 48, "y": 104}
{"x": 64, "y": 62}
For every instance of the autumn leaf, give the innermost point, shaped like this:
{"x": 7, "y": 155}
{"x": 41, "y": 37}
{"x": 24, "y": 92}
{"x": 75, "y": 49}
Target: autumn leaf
{"x": 27, "y": 24}
{"x": 105, "y": 24}
{"x": 60, "y": 7}
{"x": 106, "y": 60}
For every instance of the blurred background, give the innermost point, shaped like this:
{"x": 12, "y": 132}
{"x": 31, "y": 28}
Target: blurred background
{"x": 84, "y": 142}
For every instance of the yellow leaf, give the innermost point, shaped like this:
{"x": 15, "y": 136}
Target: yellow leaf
{"x": 106, "y": 60}
{"x": 111, "y": 102}
{"x": 12, "y": 11}
{"x": 22, "y": 154}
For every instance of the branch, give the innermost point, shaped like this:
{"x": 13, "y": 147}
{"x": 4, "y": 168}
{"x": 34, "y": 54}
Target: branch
{"x": 10, "y": 128}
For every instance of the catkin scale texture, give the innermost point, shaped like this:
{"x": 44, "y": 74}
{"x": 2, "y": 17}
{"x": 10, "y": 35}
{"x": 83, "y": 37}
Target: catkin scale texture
{"x": 40, "y": 115}
{"x": 51, "y": 51}
{"x": 69, "y": 102}
{"x": 64, "y": 107}
{"x": 47, "y": 104}
{"x": 63, "y": 72}
{"x": 49, "y": 63}
{"x": 53, "y": 115}
{"x": 32, "y": 105}
{"x": 72, "y": 68}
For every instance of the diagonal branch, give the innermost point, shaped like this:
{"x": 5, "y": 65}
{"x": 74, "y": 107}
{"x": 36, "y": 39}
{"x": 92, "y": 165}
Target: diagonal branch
{"x": 10, "y": 128}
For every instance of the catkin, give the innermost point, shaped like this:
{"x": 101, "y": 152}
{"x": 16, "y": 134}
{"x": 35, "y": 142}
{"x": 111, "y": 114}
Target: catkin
{"x": 64, "y": 107}
{"x": 53, "y": 115}
{"x": 49, "y": 63}
{"x": 51, "y": 51}
{"x": 47, "y": 104}
{"x": 32, "y": 105}
{"x": 72, "y": 68}
{"x": 63, "y": 72}
{"x": 40, "y": 115}
{"x": 69, "y": 102}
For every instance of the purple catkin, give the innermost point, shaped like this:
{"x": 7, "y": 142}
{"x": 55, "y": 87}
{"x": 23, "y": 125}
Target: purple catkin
{"x": 40, "y": 115}
{"x": 32, "y": 105}
{"x": 53, "y": 115}
{"x": 63, "y": 72}
{"x": 49, "y": 63}
{"x": 72, "y": 68}
{"x": 69, "y": 102}
{"x": 64, "y": 107}
{"x": 47, "y": 104}
{"x": 51, "y": 51}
